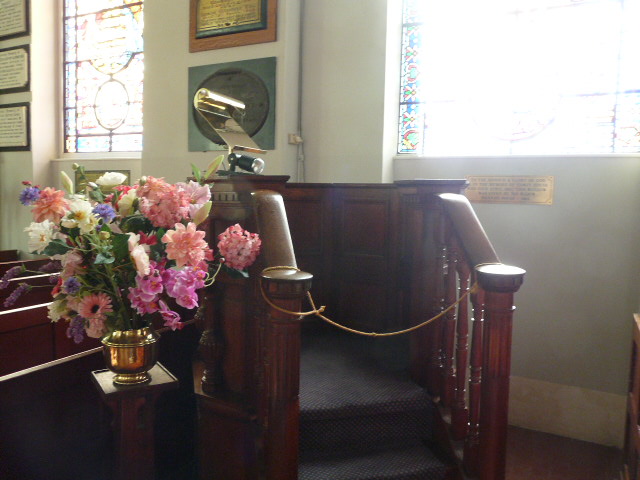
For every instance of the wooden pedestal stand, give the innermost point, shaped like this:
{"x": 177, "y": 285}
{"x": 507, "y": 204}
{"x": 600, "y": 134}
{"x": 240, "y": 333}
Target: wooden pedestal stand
{"x": 133, "y": 408}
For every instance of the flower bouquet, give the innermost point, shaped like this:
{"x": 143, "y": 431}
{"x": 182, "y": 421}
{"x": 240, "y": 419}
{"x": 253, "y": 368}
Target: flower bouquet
{"x": 127, "y": 254}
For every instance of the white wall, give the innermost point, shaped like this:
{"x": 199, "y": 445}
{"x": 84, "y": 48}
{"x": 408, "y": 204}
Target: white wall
{"x": 166, "y": 106}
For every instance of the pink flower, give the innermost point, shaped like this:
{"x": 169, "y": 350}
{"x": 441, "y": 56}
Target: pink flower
{"x": 162, "y": 203}
{"x": 50, "y": 206}
{"x": 71, "y": 264}
{"x": 171, "y": 318}
{"x": 143, "y": 303}
{"x": 239, "y": 247}
{"x": 150, "y": 284}
{"x": 186, "y": 245}
{"x": 95, "y": 305}
{"x": 95, "y": 327}
{"x": 198, "y": 195}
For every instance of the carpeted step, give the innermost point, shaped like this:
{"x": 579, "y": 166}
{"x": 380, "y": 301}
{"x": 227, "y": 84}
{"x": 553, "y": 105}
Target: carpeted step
{"x": 361, "y": 416}
{"x": 407, "y": 462}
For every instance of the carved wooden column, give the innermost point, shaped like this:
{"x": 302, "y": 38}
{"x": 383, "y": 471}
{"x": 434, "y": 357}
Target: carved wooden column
{"x": 281, "y": 347}
{"x": 499, "y": 283}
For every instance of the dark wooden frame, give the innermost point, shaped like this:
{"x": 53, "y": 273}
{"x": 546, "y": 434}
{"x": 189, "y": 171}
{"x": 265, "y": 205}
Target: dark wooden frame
{"x": 27, "y": 21}
{"x": 268, "y": 34}
{"x": 27, "y": 85}
{"x": 20, "y": 148}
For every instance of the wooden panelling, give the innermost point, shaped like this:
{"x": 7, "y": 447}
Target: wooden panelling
{"x": 24, "y": 348}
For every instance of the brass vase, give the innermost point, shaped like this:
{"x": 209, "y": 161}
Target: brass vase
{"x": 130, "y": 354}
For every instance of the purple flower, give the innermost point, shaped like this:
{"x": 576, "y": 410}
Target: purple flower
{"x": 105, "y": 211}
{"x": 51, "y": 267}
{"x": 71, "y": 286}
{"x": 29, "y": 195}
{"x": 9, "y": 274}
{"x": 20, "y": 289}
{"x": 75, "y": 329}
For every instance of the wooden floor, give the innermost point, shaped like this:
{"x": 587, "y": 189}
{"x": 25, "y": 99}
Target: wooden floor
{"x": 541, "y": 456}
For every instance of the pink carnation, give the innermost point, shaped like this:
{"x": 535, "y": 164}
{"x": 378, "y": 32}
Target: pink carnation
{"x": 186, "y": 245}
{"x": 162, "y": 203}
{"x": 51, "y": 205}
{"x": 239, "y": 247}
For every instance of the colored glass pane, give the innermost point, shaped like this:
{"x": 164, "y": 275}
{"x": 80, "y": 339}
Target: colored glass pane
{"x": 104, "y": 71}
{"x": 538, "y": 77}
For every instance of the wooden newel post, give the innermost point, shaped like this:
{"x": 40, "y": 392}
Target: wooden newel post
{"x": 499, "y": 283}
{"x": 286, "y": 288}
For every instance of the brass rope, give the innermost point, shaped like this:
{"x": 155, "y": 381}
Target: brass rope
{"x": 318, "y": 311}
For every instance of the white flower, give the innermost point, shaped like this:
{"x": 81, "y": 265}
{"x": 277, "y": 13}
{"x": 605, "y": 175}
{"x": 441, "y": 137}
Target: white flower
{"x": 125, "y": 203}
{"x": 138, "y": 254}
{"x": 111, "y": 179}
{"x": 80, "y": 216}
{"x": 57, "y": 310}
{"x": 40, "y": 234}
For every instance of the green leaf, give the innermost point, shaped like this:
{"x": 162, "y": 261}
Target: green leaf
{"x": 103, "y": 258}
{"x": 121, "y": 247}
{"x": 197, "y": 174}
{"x": 136, "y": 223}
{"x": 235, "y": 273}
{"x": 56, "y": 247}
{"x": 214, "y": 166}
{"x": 96, "y": 195}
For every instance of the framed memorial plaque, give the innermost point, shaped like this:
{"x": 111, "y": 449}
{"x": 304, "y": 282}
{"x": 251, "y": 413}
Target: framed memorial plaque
{"x": 14, "y": 18}
{"x": 14, "y": 69}
{"x": 231, "y": 23}
{"x": 14, "y": 127}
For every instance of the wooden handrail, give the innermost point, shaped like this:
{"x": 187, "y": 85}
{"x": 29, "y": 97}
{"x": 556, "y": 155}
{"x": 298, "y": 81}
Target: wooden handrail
{"x": 480, "y": 418}
{"x": 468, "y": 228}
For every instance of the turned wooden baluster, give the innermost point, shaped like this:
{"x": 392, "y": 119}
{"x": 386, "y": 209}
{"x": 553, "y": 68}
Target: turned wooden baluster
{"x": 436, "y": 367}
{"x": 499, "y": 282}
{"x": 459, "y": 411}
{"x": 449, "y": 332}
{"x": 472, "y": 439}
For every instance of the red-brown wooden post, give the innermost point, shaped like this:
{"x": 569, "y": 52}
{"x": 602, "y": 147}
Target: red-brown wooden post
{"x": 499, "y": 283}
{"x": 281, "y": 347}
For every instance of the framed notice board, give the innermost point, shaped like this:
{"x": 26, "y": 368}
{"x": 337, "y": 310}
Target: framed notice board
{"x": 231, "y": 23}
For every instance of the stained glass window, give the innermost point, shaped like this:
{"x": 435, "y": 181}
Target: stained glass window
{"x": 104, "y": 71}
{"x": 520, "y": 77}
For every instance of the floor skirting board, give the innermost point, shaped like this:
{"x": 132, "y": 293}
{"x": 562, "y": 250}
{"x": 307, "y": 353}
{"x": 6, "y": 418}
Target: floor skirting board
{"x": 568, "y": 411}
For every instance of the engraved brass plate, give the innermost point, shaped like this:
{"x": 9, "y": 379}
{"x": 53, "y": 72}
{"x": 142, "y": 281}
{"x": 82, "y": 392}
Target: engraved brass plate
{"x": 525, "y": 189}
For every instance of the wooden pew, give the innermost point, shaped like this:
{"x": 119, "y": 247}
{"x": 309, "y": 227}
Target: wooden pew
{"x": 8, "y": 255}
{"x": 54, "y": 426}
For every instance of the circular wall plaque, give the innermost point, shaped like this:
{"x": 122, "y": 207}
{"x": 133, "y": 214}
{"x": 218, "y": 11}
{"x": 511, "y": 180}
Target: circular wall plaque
{"x": 244, "y": 86}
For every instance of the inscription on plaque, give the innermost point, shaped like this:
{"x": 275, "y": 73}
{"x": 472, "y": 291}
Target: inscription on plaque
{"x": 525, "y": 189}
{"x": 13, "y": 127}
{"x": 14, "y": 69}
{"x": 13, "y": 17}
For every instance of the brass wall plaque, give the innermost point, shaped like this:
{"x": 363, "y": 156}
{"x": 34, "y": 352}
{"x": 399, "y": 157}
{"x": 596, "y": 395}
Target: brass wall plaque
{"x": 520, "y": 189}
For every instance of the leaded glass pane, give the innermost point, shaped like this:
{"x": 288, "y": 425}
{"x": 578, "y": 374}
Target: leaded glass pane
{"x": 519, "y": 77}
{"x": 104, "y": 71}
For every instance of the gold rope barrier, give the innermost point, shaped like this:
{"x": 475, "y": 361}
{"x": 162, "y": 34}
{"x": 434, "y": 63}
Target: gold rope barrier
{"x": 318, "y": 311}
